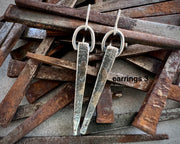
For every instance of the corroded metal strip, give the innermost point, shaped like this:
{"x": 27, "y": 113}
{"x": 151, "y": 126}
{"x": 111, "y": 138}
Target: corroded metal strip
{"x": 141, "y": 85}
{"x": 174, "y": 92}
{"x": 44, "y": 72}
{"x": 63, "y": 98}
{"x": 116, "y": 4}
{"x": 147, "y": 63}
{"x": 5, "y": 29}
{"x": 14, "y": 96}
{"x": 48, "y": 21}
{"x": 34, "y": 33}
{"x": 105, "y": 112}
{"x": 105, "y": 68}
{"x": 148, "y": 116}
{"x": 10, "y": 41}
{"x": 20, "y": 53}
{"x": 40, "y": 88}
{"x": 105, "y": 19}
{"x": 161, "y": 54}
{"x": 157, "y": 9}
{"x": 167, "y": 19}
{"x": 105, "y": 139}
{"x": 81, "y": 70}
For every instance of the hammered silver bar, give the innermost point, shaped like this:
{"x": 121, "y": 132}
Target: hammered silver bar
{"x": 81, "y": 70}
{"x": 107, "y": 63}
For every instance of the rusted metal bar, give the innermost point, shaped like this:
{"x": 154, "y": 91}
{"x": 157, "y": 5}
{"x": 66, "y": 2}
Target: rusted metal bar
{"x": 63, "y": 98}
{"x": 148, "y": 116}
{"x": 10, "y": 41}
{"x": 157, "y": 9}
{"x": 167, "y": 19}
{"x": 20, "y": 53}
{"x": 40, "y": 88}
{"x": 142, "y": 85}
{"x": 174, "y": 92}
{"x": 5, "y": 29}
{"x": 44, "y": 72}
{"x": 14, "y": 96}
{"x": 30, "y": 18}
{"x": 105, "y": 19}
{"x": 105, "y": 112}
{"x": 116, "y": 4}
{"x": 147, "y": 63}
{"x": 161, "y": 54}
{"x": 105, "y": 139}
{"x": 34, "y": 33}
{"x": 69, "y": 3}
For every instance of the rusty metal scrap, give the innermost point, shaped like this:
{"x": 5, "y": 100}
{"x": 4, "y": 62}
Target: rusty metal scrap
{"x": 148, "y": 116}
{"x": 64, "y": 24}
{"x": 93, "y": 139}
{"x": 6, "y": 27}
{"x": 105, "y": 112}
{"x": 40, "y": 88}
{"x": 157, "y": 9}
{"x": 141, "y": 85}
{"x": 14, "y": 96}
{"x": 10, "y": 41}
{"x": 124, "y": 22}
{"x": 63, "y": 98}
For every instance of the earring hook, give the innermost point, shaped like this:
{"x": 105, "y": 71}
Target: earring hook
{"x": 116, "y": 22}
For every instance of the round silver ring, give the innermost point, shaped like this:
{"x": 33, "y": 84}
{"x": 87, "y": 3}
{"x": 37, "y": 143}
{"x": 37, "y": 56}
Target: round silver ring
{"x": 91, "y": 33}
{"x": 121, "y": 35}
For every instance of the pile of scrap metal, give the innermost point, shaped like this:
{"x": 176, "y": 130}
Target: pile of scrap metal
{"x": 152, "y": 35}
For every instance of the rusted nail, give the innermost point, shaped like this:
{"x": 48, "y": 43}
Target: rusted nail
{"x": 116, "y": 4}
{"x": 150, "y": 64}
{"x": 20, "y": 53}
{"x": 34, "y": 33}
{"x": 64, "y": 24}
{"x": 124, "y": 22}
{"x": 105, "y": 112}
{"x": 157, "y": 9}
{"x": 174, "y": 92}
{"x": 10, "y": 41}
{"x": 5, "y": 29}
{"x": 14, "y": 96}
{"x": 166, "y": 19}
{"x": 40, "y": 88}
{"x": 44, "y": 72}
{"x": 148, "y": 116}
{"x": 141, "y": 85}
{"x": 161, "y": 54}
{"x": 63, "y": 98}
{"x": 105, "y": 139}
{"x": 25, "y": 111}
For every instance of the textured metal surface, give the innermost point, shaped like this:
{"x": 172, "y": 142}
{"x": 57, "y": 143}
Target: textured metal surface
{"x": 105, "y": 19}
{"x": 116, "y": 4}
{"x": 174, "y": 92}
{"x": 141, "y": 85}
{"x": 5, "y": 29}
{"x": 34, "y": 33}
{"x": 148, "y": 116}
{"x": 105, "y": 112}
{"x": 44, "y": 72}
{"x": 48, "y": 21}
{"x": 20, "y": 53}
{"x": 9, "y": 104}
{"x": 105, "y": 68}
{"x": 81, "y": 70}
{"x": 157, "y": 9}
{"x": 63, "y": 98}
{"x": 10, "y": 41}
{"x": 40, "y": 88}
{"x": 93, "y": 139}
{"x": 147, "y": 63}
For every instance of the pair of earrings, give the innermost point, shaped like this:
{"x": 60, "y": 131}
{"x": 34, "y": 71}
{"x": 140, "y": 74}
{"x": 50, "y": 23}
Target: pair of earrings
{"x": 83, "y": 50}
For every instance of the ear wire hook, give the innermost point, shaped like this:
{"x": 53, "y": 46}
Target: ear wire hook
{"x": 116, "y": 23}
